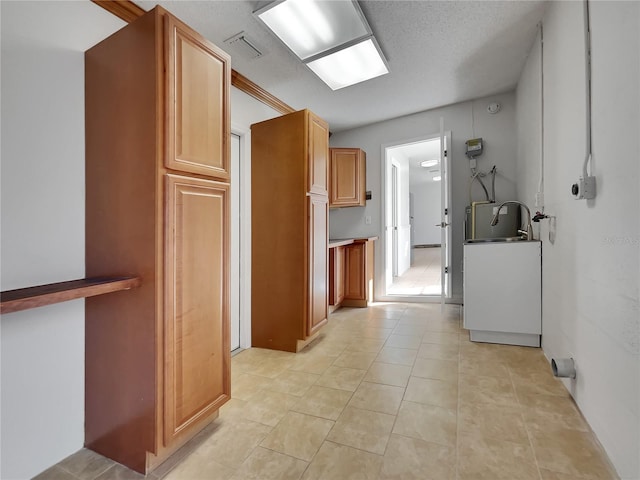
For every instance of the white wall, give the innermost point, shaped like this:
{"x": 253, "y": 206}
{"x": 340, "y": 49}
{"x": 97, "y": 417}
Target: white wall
{"x": 590, "y": 271}
{"x": 426, "y": 212}
{"x": 245, "y": 110}
{"x": 43, "y": 225}
{"x": 499, "y": 134}
{"x": 43, "y": 47}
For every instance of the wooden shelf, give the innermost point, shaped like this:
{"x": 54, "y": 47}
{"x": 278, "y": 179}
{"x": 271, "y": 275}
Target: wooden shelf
{"x": 32, "y": 297}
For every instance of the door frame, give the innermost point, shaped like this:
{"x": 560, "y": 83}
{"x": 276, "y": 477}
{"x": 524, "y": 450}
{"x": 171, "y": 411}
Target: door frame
{"x": 242, "y": 181}
{"x": 386, "y": 162}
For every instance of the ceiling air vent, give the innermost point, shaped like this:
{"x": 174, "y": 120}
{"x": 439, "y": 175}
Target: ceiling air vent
{"x": 243, "y": 46}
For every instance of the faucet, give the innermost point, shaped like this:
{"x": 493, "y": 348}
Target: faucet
{"x": 529, "y": 231}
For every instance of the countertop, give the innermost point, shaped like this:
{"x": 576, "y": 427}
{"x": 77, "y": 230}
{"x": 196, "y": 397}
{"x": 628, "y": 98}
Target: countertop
{"x": 340, "y": 242}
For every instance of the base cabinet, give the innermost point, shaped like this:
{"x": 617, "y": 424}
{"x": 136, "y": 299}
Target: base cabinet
{"x": 157, "y": 359}
{"x": 359, "y": 272}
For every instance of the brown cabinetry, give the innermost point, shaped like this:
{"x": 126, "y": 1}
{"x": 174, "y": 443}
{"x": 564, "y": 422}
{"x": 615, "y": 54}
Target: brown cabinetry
{"x": 347, "y": 175}
{"x": 359, "y": 272}
{"x": 336, "y": 275}
{"x": 289, "y": 210}
{"x": 157, "y": 358}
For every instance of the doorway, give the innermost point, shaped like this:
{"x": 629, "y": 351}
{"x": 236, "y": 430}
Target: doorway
{"x": 417, "y": 236}
{"x": 235, "y": 245}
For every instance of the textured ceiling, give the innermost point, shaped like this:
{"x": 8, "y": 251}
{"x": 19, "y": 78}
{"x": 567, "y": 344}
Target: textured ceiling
{"x": 439, "y": 53}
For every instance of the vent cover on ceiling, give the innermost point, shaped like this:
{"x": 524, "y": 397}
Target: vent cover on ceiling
{"x": 242, "y": 45}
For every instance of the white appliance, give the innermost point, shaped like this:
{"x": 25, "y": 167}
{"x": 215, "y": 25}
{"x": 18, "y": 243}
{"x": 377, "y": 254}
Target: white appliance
{"x": 502, "y": 292}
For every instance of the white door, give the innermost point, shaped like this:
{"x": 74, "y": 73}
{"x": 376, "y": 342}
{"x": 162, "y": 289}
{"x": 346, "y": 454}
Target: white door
{"x": 235, "y": 243}
{"x": 394, "y": 217}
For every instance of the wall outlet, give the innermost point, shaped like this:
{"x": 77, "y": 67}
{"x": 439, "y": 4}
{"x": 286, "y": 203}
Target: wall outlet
{"x": 367, "y": 220}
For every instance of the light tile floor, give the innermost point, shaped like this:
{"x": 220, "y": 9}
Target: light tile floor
{"x": 395, "y": 391}
{"x": 423, "y": 277}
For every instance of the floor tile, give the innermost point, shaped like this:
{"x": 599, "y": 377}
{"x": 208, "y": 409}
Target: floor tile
{"x": 446, "y": 370}
{"x": 265, "y": 464}
{"x": 438, "y": 351}
{"x": 335, "y": 461}
{"x": 55, "y": 473}
{"x": 377, "y": 398}
{"x": 376, "y": 333}
{"x": 481, "y": 458}
{"x": 412, "y": 458}
{"x": 432, "y": 392}
{"x": 403, "y": 341}
{"x": 398, "y": 356}
{"x": 323, "y": 402}
{"x": 244, "y": 386}
{"x": 269, "y": 407}
{"x": 86, "y": 464}
{"x": 491, "y": 390}
{"x": 388, "y": 374}
{"x": 298, "y": 435}
{"x": 414, "y": 331}
{"x": 442, "y": 338}
{"x": 543, "y": 383}
{"x": 362, "y": 429}
{"x": 370, "y": 345}
{"x": 443, "y": 325}
{"x": 549, "y": 475}
{"x": 293, "y": 383}
{"x": 119, "y": 472}
{"x": 493, "y": 421}
{"x": 231, "y": 444}
{"x": 341, "y": 378}
{"x": 356, "y": 360}
{"x": 571, "y": 452}
{"x": 480, "y": 366}
{"x": 198, "y": 465}
{"x": 427, "y": 422}
{"x": 312, "y": 363}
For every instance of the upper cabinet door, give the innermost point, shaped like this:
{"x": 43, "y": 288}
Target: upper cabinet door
{"x": 198, "y": 79}
{"x": 318, "y": 155}
{"x": 347, "y": 177}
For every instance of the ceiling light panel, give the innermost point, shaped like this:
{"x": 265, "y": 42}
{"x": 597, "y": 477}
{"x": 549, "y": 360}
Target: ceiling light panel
{"x": 429, "y": 163}
{"x": 351, "y": 65}
{"x": 310, "y": 27}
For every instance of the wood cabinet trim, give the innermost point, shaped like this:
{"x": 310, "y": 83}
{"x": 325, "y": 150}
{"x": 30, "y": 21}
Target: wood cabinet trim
{"x": 129, "y": 11}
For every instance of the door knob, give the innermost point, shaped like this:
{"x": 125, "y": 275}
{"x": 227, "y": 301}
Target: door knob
{"x": 442, "y": 224}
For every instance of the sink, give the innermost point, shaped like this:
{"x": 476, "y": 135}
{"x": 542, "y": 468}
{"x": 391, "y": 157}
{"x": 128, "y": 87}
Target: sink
{"x": 496, "y": 240}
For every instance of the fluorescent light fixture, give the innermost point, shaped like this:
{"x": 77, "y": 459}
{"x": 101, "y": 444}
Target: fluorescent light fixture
{"x": 430, "y": 163}
{"x": 437, "y": 178}
{"x": 310, "y": 27}
{"x": 332, "y": 37}
{"x": 349, "y": 66}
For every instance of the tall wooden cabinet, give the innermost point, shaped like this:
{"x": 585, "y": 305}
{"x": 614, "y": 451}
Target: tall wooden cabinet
{"x": 157, "y": 358}
{"x": 289, "y": 210}
{"x": 347, "y": 177}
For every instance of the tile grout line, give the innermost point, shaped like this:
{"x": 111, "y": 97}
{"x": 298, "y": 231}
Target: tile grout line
{"x": 526, "y": 428}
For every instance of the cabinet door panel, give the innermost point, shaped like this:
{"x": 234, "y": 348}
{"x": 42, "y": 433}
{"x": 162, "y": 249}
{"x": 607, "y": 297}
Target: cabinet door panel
{"x": 318, "y": 156}
{"x": 347, "y": 177}
{"x": 336, "y": 275}
{"x": 354, "y": 287}
{"x": 196, "y": 316}
{"x": 318, "y": 263}
{"x": 198, "y": 76}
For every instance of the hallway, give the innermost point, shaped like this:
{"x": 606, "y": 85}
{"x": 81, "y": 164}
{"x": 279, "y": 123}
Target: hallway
{"x": 423, "y": 278}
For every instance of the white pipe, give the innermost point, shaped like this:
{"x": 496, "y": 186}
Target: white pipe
{"x": 587, "y": 40}
{"x": 563, "y": 367}
{"x": 541, "y": 182}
